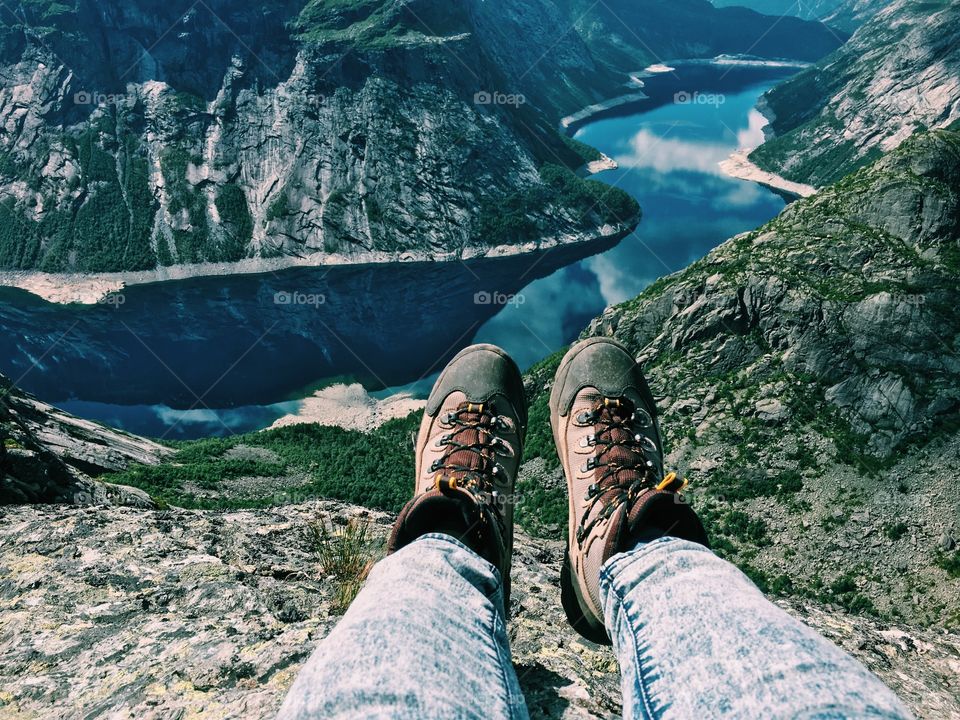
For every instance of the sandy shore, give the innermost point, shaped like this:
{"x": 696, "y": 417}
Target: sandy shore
{"x": 350, "y": 407}
{"x": 740, "y": 166}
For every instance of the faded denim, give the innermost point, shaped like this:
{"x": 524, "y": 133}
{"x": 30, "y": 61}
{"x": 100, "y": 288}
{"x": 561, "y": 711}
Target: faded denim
{"x": 426, "y": 640}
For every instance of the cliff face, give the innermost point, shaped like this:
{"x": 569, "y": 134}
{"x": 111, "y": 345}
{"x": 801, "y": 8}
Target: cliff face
{"x": 898, "y": 74}
{"x": 147, "y": 134}
{"x": 809, "y": 379}
{"x": 49, "y": 456}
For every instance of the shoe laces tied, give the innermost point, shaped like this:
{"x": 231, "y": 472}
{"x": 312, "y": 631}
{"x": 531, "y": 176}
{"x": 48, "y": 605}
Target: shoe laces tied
{"x": 470, "y": 459}
{"x": 623, "y": 459}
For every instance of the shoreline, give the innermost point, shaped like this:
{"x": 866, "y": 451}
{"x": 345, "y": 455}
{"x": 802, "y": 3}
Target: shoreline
{"x": 739, "y": 166}
{"x": 571, "y": 123}
{"x": 99, "y": 288}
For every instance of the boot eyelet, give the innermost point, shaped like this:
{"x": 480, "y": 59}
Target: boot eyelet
{"x": 588, "y": 441}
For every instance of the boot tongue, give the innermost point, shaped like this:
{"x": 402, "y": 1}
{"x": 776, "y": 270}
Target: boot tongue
{"x": 630, "y": 459}
{"x": 474, "y": 430}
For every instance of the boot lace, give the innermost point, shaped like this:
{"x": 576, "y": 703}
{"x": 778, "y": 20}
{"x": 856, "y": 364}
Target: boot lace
{"x": 624, "y": 458}
{"x": 470, "y": 458}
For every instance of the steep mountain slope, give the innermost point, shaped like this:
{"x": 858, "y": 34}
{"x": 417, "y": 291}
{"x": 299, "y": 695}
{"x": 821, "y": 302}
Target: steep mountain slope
{"x": 898, "y": 74}
{"x": 809, "y": 378}
{"x": 141, "y": 135}
{"x": 150, "y": 134}
{"x": 47, "y": 455}
{"x": 846, "y": 15}
{"x": 213, "y": 614}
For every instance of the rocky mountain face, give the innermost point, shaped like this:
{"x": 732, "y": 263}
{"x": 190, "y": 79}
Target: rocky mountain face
{"x": 622, "y": 32}
{"x": 49, "y": 456}
{"x": 147, "y": 134}
{"x": 809, "y": 378}
{"x": 845, "y": 15}
{"x": 159, "y": 614}
{"x": 898, "y": 74}
{"x": 136, "y": 136}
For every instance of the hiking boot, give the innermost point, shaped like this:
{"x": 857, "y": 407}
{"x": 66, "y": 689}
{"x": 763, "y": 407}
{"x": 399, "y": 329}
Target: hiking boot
{"x": 467, "y": 455}
{"x": 605, "y": 427}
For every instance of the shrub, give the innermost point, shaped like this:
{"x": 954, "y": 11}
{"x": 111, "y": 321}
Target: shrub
{"x": 345, "y": 556}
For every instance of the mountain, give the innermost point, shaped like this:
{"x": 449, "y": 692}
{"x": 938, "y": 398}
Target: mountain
{"x": 142, "y": 135}
{"x": 149, "y": 134}
{"x": 898, "y": 74}
{"x": 49, "y": 456}
{"x": 809, "y": 379}
{"x": 808, "y": 375}
{"x": 845, "y": 15}
{"x": 625, "y": 33}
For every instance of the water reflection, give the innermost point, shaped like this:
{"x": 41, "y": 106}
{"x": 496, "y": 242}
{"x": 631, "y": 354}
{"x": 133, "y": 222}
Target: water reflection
{"x": 174, "y": 355}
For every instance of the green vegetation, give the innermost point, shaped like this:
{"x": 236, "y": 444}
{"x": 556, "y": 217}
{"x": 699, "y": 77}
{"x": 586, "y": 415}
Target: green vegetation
{"x": 345, "y": 555}
{"x": 514, "y": 217}
{"x": 278, "y": 208}
{"x": 585, "y": 152}
{"x": 895, "y": 531}
{"x": 375, "y": 470}
{"x": 235, "y": 215}
{"x": 950, "y": 562}
{"x": 107, "y": 228}
{"x": 376, "y": 24}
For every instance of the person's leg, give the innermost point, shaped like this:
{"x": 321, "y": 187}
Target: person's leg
{"x": 696, "y": 639}
{"x": 425, "y": 638}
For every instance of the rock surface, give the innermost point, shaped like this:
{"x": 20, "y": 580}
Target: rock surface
{"x": 157, "y": 614}
{"x": 898, "y": 74}
{"x": 807, "y": 375}
{"x": 47, "y": 455}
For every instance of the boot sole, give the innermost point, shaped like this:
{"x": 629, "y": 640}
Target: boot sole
{"x": 573, "y": 606}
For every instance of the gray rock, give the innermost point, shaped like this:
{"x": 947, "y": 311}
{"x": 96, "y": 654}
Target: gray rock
{"x": 144, "y": 622}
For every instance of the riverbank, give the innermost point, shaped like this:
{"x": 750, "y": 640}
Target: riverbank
{"x": 739, "y": 166}
{"x": 102, "y": 288}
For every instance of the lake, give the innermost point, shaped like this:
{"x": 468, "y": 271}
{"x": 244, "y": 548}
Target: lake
{"x": 215, "y": 356}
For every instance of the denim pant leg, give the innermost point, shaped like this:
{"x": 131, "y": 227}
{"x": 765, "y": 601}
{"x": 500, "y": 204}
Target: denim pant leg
{"x": 697, "y": 640}
{"x": 424, "y": 639}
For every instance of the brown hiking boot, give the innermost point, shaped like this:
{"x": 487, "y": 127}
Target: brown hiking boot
{"x": 467, "y": 455}
{"x": 605, "y": 426}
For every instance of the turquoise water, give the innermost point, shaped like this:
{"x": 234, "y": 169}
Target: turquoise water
{"x": 668, "y": 158}
{"x": 217, "y": 356}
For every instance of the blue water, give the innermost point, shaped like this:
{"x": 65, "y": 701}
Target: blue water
{"x": 217, "y": 356}
{"x": 668, "y": 159}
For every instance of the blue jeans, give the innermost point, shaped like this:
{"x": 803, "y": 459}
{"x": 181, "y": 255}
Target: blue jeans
{"x": 426, "y": 638}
